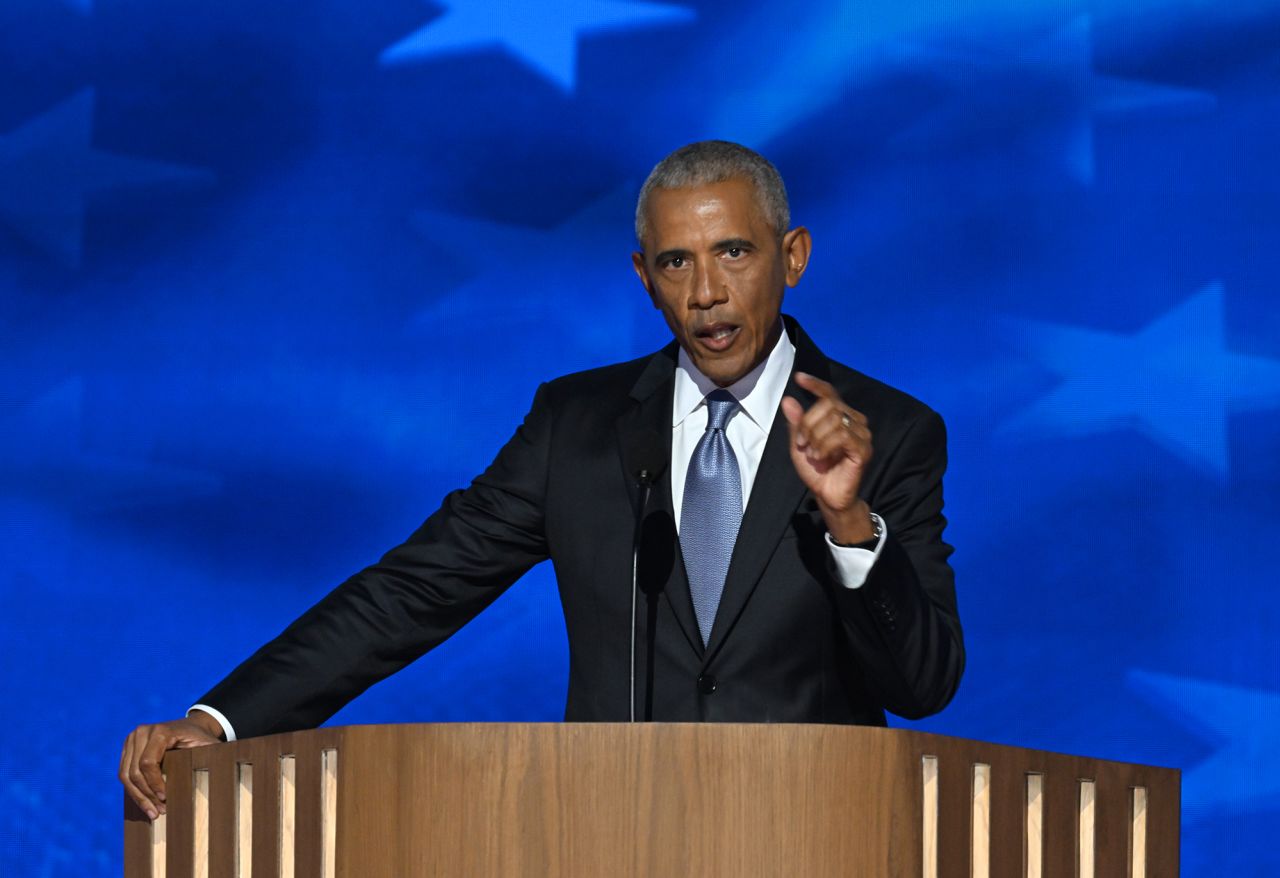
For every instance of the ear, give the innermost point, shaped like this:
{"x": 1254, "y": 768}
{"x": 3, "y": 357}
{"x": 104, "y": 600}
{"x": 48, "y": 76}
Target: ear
{"x": 642, "y": 272}
{"x": 796, "y": 247}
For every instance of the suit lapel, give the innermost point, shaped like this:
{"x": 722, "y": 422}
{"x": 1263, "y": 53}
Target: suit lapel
{"x": 644, "y": 442}
{"x": 774, "y": 497}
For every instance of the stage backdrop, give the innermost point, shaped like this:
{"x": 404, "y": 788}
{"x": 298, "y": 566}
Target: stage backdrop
{"x": 274, "y": 277}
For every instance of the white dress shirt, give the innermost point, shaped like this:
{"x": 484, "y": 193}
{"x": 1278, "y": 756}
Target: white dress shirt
{"x": 759, "y": 393}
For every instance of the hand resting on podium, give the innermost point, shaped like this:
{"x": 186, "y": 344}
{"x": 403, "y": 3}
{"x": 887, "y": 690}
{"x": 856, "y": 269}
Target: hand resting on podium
{"x": 145, "y": 748}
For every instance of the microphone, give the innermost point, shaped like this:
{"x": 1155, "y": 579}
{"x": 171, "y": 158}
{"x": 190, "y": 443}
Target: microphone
{"x": 644, "y": 485}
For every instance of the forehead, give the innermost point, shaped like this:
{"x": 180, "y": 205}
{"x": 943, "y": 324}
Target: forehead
{"x": 728, "y": 209}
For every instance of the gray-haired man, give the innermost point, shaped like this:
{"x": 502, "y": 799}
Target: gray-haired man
{"x": 792, "y": 567}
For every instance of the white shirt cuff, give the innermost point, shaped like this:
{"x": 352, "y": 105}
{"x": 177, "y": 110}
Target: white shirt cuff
{"x": 229, "y": 732}
{"x": 852, "y": 564}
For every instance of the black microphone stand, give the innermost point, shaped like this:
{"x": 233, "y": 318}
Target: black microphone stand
{"x": 644, "y": 483}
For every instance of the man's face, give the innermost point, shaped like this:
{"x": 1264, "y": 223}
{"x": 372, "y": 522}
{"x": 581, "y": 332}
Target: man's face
{"x": 715, "y": 268}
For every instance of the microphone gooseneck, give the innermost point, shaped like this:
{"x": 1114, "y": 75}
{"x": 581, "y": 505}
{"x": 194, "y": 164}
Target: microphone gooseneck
{"x": 644, "y": 483}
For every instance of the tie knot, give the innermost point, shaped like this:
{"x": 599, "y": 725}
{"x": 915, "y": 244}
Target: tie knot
{"x": 720, "y": 405}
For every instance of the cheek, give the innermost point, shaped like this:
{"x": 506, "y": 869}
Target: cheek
{"x": 759, "y": 306}
{"x": 672, "y": 314}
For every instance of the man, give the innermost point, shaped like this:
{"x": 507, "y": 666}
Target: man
{"x": 790, "y": 557}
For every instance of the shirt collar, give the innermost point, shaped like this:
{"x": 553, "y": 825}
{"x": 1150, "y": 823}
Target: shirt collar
{"x": 759, "y": 392}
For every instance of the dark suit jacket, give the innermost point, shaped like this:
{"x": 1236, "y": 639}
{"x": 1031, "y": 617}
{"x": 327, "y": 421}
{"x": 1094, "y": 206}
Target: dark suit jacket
{"x": 789, "y": 643}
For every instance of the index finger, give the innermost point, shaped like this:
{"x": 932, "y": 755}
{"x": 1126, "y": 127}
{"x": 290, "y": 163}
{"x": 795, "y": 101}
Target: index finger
{"x": 126, "y": 777}
{"x": 818, "y": 387}
{"x": 149, "y": 764}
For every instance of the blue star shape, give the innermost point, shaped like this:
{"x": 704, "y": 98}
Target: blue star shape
{"x": 828, "y": 46}
{"x": 48, "y": 169}
{"x": 1052, "y": 84}
{"x": 544, "y": 34}
{"x": 1069, "y": 55}
{"x": 1243, "y": 724}
{"x": 1174, "y": 380}
{"x": 42, "y": 456}
{"x": 534, "y": 272}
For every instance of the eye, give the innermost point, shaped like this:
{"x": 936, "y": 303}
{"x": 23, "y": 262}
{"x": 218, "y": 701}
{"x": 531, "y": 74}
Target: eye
{"x": 734, "y": 252}
{"x": 675, "y": 262}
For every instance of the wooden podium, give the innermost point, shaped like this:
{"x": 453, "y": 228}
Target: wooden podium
{"x": 477, "y": 799}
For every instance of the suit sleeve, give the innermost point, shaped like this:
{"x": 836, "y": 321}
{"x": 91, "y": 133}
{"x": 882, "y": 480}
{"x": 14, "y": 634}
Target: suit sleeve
{"x": 460, "y": 560}
{"x": 904, "y": 624}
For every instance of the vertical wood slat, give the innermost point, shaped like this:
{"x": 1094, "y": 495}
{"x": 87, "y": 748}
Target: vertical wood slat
{"x": 200, "y": 823}
{"x": 306, "y": 826}
{"x": 1111, "y": 824}
{"x": 244, "y": 820}
{"x": 929, "y": 780}
{"x": 1008, "y": 809}
{"x": 1085, "y": 829}
{"x": 328, "y": 813}
{"x": 1061, "y": 822}
{"x": 266, "y": 808}
{"x": 980, "y": 822}
{"x": 288, "y": 815}
{"x": 1138, "y": 833}
{"x": 221, "y": 765}
{"x": 179, "y": 829}
{"x": 1033, "y": 828}
{"x": 1164, "y": 798}
{"x": 139, "y": 859}
{"x": 159, "y": 849}
{"x": 955, "y": 800}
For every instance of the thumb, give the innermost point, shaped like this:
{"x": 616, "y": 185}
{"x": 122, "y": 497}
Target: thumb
{"x": 190, "y": 742}
{"x": 191, "y": 735}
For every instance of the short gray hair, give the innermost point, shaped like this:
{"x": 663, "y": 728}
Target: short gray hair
{"x": 714, "y": 161}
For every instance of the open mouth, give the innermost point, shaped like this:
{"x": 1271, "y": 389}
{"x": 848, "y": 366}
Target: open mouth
{"x": 717, "y": 336}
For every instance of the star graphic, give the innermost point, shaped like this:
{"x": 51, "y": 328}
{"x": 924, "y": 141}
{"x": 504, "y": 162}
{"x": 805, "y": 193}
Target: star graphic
{"x": 1052, "y": 87}
{"x": 545, "y": 35}
{"x": 572, "y": 284}
{"x": 42, "y": 455}
{"x": 1069, "y": 55}
{"x": 48, "y": 168}
{"x": 1242, "y": 723}
{"x": 829, "y": 46}
{"x": 1174, "y": 380}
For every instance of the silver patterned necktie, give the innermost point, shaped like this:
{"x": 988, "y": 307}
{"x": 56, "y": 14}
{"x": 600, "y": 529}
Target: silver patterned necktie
{"x": 711, "y": 511}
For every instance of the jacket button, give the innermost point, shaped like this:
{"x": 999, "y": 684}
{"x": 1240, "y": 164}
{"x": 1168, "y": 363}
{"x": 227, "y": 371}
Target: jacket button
{"x": 706, "y": 684}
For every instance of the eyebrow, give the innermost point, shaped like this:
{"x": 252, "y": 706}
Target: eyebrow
{"x": 718, "y": 246}
{"x": 671, "y": 254}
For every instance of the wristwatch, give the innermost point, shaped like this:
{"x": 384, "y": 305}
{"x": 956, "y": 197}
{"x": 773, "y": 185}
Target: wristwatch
{"x": 869, "y": 545}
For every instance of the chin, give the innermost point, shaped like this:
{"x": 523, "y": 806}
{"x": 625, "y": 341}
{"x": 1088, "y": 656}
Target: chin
{"x": 723, "y": 370}
{"x": 725, "y": 375}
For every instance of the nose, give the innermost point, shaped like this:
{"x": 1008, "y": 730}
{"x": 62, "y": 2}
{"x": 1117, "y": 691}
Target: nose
{"x": 709, "y": 288}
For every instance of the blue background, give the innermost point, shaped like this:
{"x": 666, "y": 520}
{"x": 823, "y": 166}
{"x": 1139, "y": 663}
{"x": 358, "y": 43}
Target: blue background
{"x": 275, "y": 277}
